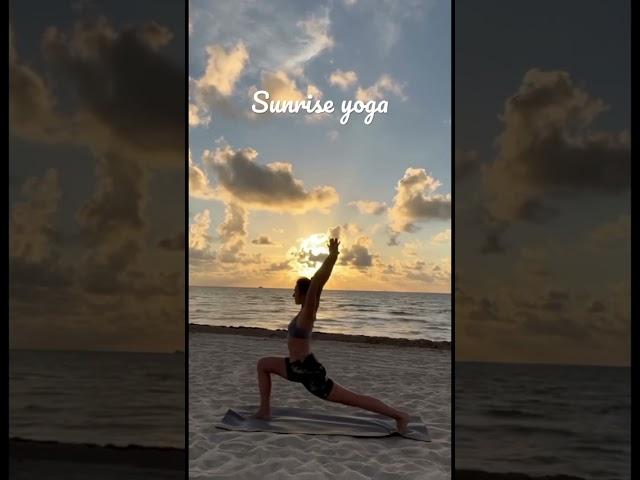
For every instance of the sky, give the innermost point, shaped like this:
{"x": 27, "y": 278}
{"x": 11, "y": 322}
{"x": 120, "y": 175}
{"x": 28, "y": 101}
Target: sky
{"x": 97, "y": 175}
{"x": 266, "y": 191}
{"x": 542, "y": 186}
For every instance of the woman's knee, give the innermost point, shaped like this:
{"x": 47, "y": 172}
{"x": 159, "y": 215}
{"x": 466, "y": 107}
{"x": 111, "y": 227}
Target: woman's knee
{"x": 262, "y": 364}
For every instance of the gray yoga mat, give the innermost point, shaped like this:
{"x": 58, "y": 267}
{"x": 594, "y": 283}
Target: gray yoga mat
{"x": 310, "y": 422}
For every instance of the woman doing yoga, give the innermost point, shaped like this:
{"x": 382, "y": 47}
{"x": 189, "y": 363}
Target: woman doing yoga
{"x": 301, "y": 365}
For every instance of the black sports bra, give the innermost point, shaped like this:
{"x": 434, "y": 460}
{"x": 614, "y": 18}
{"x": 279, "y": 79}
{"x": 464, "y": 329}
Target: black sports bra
{"x": 297, "y": 332}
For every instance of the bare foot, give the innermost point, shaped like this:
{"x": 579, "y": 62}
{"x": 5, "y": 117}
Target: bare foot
{"x": 402, "y": 423}
{"x": 262, "y": 414}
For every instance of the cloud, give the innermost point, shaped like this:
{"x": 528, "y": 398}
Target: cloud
{"x": 263, "y": 240}
{"x": 357, "y": 255}
{"x": 389, "y": 18}
{"x": 35, "y": 263}
{"x": 198, "y": 115}
{"x": 223, "y": 69}
{"x": 232, "y": 232}
{"x": 427, "y": 272}
{"x": 370, "y": 207}
{"x": 234, "y": 226}
{"x": 416, "y": 201}
{"x": 618, "y": 230}
{"x": 343, "y": 80}
{"x": 117, "y": 203}
{"x": 493, "y": 240}
{"x": 392, "y": 240}
{"x": 32, "y": 104}
{"x": 289, "y": 44}
{"x": 267, "y": 187}
{"x": 105, "y": 91}
{"x": 31, "y": 224}
{"x": 315, "y": 39}
{"x": 385, "y": 84}
{"x": 175, "y": 243}
{"x": 349, "y": 232}
{"x": 279, "y": 266}
{"x": 212, "y": 91}
{"x": 355, "y": 245}
{"x": 199, "y": 238}
{"x": 467, "y": 164}
{"x": 120, "y": 80}
{"x": 155, "y": 35}
{"x": 442, "y": 237}
{"x": 597, "y": 307}
{"x": 548, "y": 145}
{"x": 282, "y": 87}
{"x": 199, "y": 186}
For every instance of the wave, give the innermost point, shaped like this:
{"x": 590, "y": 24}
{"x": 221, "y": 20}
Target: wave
{"x": 512, "y": 413}
{"x": 614, "y": 409}
{"x": 527, "y": 429}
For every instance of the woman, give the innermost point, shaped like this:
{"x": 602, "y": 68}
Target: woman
{"x": 301, "y": 366}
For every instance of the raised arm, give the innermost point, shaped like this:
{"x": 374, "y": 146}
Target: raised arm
{"x": 318, "y": 281}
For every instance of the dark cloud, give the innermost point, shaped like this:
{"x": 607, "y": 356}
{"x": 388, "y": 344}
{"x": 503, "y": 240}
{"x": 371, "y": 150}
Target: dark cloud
{"x": 32, "y": 229}
{"x": 556, "y": 301}
{"x": 548, "y": 145}
{"x": 597, "y": 307}
{"x": 32, "y": 104}
{"x": 121, "y": 79}
{"x": 270, "y": 187}
{"x": 357, "y": 256}
{"x": 117, "y": 202}
{"x": 263, "y": 240}
{"x": 105, "y": 90}
{"x": 308, "y": 258}
{"x": 466, "y": 164}
{"x": 279, "y": 266}
{"x": 486, "y": 310}
{"x": 493, "y": 242}
{"x": 175, "y": 243}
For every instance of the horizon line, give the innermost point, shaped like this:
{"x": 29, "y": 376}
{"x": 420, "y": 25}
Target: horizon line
{"x": 547, "y": 364}
{"x": 325, "y": 289}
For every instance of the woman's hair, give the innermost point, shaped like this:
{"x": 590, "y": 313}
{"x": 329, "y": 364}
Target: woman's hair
{"x": 303, "y": 284}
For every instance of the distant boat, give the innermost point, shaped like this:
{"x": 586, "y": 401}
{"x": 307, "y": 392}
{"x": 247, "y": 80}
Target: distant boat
{"x": 259, "y": 287}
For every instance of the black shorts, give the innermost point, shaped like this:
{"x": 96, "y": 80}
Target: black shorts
{"x": 310, "y": 373}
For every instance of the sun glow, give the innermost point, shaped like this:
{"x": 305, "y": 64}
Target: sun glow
{"x": 308, "y": 253}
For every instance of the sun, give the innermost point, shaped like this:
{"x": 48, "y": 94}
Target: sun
{"x": 307, "y": 253}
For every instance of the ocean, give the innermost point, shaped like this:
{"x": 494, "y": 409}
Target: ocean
{"x": 385, "y": 314}
{"x": 543, "y": 419}
{"x": 98, "y": 397}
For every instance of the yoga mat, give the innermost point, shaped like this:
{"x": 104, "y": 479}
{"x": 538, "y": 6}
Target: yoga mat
{"x": 310, "y": 422}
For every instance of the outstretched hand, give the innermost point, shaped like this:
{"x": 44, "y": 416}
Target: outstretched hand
{"x": 333, "y": 246}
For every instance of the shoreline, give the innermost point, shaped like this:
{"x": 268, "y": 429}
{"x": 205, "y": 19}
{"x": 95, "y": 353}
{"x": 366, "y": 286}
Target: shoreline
{"x": 165, "y": 458}
{"x": 336, "y": 337}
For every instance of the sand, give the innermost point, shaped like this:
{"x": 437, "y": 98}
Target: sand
{"x": 222, "y": 374}
{"x": 30, "y": 459}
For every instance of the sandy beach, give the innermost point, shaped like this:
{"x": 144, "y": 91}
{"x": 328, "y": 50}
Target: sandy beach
{"x": 53, "y": 460}
{"x": 222, "y": 375}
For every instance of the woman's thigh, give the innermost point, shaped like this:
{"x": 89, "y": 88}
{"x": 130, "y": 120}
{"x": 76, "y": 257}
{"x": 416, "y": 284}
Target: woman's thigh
{"x": 273, "y": 365}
